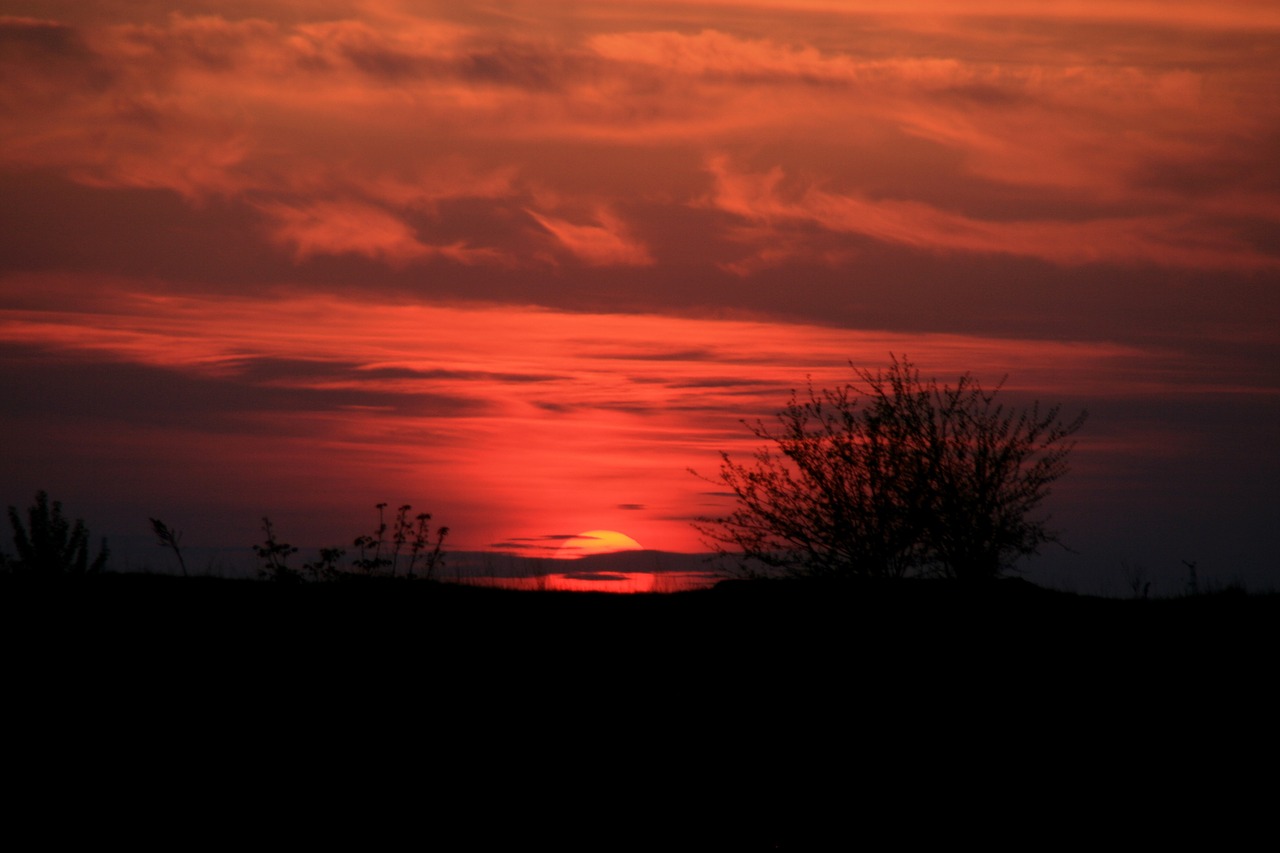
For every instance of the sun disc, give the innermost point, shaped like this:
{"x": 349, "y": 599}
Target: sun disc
{"x": 598, "y": 542}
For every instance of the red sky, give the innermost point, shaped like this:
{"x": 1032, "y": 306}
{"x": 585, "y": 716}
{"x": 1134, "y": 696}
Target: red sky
{"x": 523, "y": 264}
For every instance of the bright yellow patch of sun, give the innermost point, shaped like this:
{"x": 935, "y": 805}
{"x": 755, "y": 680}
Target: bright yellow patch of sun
{"x": 597, "y": 542}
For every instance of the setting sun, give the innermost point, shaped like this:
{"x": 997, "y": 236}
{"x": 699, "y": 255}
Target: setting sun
{"x": 597, "y": 542}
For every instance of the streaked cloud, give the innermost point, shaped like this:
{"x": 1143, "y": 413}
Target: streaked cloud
{"x": 336, "y": 228}
{"x": 604, "y": 242}
{"x": 1169, "y": 239}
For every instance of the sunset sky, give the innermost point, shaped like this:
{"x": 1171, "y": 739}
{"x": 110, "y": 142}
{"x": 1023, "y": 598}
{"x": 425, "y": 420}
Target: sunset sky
{"x": 523, "y": 264}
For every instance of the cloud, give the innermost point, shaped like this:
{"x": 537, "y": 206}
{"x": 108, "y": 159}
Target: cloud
{"x": 715, "y": 54}
{"x": 205, "y": 106}
{"x": 1242, "y": 14}
{"x": 105, "y": 389}
{"x": 336, "y": 228}
{"x": 447, "y": 178}
{"x": 1162, "y": 239}
{"x": 35, "y": 40}
{"x": 346, "y": 132}
{"x": 198, "y": 43}
{"x": 416, "y": 50}
{"x": 608, "y": 242}
{"x": 1048, "y": 113}
{"x": 350, "y": 227}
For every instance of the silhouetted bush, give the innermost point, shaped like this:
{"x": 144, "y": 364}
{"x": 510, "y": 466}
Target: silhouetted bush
{"x": 48, "y": 544}
{"x": 895, "y": 477}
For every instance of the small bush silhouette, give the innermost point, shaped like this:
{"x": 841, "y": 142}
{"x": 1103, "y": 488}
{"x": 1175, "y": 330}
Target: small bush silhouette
{"x": 411, "y": 540}
{"x": 275, "y": 557}
{"x": 48, "y": 544}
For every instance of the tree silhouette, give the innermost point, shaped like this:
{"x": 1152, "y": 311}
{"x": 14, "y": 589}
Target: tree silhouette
{"x": 893, "y": 477}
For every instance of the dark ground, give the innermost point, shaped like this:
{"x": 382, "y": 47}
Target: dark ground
{"x": 754, "y": 716}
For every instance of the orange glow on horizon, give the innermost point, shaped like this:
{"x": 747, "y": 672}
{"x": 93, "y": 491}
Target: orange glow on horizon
{"x": 610, "y": 582}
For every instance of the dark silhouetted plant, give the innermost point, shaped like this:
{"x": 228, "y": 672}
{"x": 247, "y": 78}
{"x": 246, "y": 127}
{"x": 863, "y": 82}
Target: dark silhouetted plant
{"x": 400, "y": 535}
{"x": 275, "y": 556}
{"x": 49, "y": 544}
{"x": 410, "y": 539}
{"x": 171, "y": 539}
{"x": 326, "y": 568}
{"x": 1135, "y": 575}
{"x": 1193, "y": 583}
{"x": 892, "y": 477}
{"x": 371, "y": 561}
{"x": 407, "y": 532}
{"x": 422, "y": 542}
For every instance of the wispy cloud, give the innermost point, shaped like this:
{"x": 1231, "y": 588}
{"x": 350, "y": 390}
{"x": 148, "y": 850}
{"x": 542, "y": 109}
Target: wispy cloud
{"x": 605, "y": 242}
{"x": 336, "y": 228}
{"x": 1161, "y": 239}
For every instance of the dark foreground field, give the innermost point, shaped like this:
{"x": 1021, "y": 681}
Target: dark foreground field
{"x": 753, "y": 716}
{"x": 828, "y": 621}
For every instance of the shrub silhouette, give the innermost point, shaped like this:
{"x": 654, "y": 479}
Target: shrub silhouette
{"x": 893, "y": 477}
{"x": 48, "y": 544}
{"x": 411, "y": 542}
{"x": 275, "y": 557}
